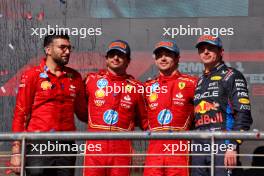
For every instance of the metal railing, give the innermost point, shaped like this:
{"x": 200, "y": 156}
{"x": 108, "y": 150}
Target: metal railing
{"x": 189, "y": 135}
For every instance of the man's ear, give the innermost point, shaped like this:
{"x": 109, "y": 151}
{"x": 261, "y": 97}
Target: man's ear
{"x": 156, "y": 62}
{"x": 47, "y": 50}
{"x": 222, "y": 52}
{"x": 177, "y": 58}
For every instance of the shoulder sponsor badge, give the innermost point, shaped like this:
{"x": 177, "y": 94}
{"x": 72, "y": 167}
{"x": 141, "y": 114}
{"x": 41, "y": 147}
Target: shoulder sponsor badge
{"x": 110, "y": 117}
{"x": 165, "y": 117}
{"x": 216, "y": 78}
{"x": 181, "y": 85}
{"x": 45, "y": 85}
{"x": 102, "y": 83}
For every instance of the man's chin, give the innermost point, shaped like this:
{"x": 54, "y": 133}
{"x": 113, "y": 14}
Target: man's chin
{"x": 63, "y": 63}
{"x": 115, "y": 67}
{"x": 164, "y": 69}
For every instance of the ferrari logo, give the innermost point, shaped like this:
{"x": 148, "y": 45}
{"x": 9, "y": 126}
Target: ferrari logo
{"x": 181, "y": 85}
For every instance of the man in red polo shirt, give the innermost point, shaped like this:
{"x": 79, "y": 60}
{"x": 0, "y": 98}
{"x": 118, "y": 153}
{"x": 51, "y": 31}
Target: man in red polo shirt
{"x": 48, "y": 97}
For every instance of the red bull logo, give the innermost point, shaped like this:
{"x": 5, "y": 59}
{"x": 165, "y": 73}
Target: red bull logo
{"x": 206, "y": 119}
{"x": 205, "y": 106}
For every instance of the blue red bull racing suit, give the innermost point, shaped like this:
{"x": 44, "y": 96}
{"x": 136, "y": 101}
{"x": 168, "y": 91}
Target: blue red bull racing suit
{"x": 221, "y": 104}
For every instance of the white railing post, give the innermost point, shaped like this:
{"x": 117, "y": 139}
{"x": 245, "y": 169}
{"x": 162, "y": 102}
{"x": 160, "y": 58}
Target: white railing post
{"x": 212, "y": 156}
{"x": 23, "y": 149}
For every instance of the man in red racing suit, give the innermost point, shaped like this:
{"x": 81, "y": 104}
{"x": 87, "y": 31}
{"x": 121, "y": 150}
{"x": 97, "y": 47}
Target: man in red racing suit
{"x": 114, "y": 101}
{"x": 169, "y": 100}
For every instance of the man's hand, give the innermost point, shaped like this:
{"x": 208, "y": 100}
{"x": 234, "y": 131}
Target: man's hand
{"x": 15, "y": 161}
{"x": 230, "y": 159}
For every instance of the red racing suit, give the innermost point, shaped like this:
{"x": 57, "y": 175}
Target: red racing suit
{"x": 46, "y": 102}
{"x": 170, "y": 108}
{"x": 112, "y": 110}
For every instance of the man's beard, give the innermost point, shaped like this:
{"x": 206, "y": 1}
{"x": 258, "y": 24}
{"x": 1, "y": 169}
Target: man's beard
{"x": 61, "y": 61}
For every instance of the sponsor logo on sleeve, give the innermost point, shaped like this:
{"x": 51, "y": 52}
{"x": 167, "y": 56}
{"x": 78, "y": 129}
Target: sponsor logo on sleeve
{"x": 243, "y": 101}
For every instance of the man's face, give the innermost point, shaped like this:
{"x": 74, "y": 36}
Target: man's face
{"x": 116, "y": 60}
{"x": 166, "y": 60}
{"x": 210, "y": 55}
{"x": 59, "y": 50}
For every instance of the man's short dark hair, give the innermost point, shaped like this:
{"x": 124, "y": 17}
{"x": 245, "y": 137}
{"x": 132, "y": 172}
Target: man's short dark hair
{"x": 57, "y": 34}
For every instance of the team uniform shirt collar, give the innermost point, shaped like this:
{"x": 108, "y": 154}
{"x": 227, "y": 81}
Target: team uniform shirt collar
{"x": 114, "y": 77}
{"x": 45, "y": 70}
{"x": 215, "y": 69}
{"x": 170, "y": 77}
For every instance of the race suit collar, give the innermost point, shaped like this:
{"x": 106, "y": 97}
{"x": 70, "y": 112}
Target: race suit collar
{"x": 175, "y": 75}
{"x": 114, "y": 77}
{"x": 215, "y": 69}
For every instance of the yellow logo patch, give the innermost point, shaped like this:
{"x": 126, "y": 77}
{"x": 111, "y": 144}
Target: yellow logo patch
{"x": 181, "y": 85}
{"x": 153, "y": 97}
{"x": 45, "y": 85}
{"x": 216, "y": 78}
{"x": 129, "y": 88}
{"x": 100, "y": 93}
{"x": 243, "y": 101}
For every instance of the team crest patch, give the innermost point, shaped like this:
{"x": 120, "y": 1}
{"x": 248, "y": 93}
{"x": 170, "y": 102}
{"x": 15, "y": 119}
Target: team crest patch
{"x": 128, "y": 88}
{"x": 181, "y": 85}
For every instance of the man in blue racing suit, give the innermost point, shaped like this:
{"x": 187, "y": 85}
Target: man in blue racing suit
{"x": 221, "y": 104}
